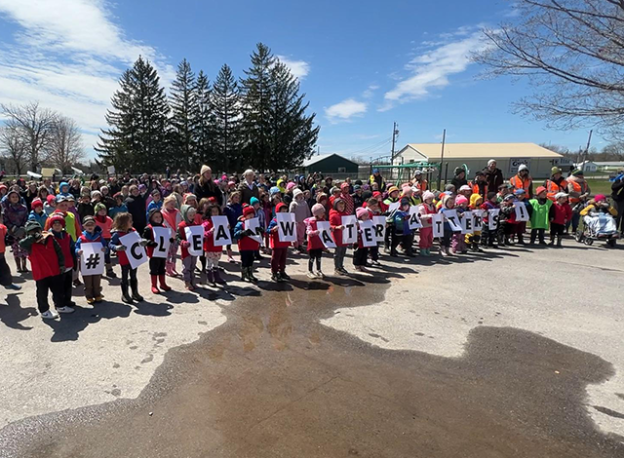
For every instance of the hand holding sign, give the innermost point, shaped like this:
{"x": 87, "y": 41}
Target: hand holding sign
{"x": 367, "y": 229}
{"x": 286, "y": 227}
{"x": 437, "y": 223}
{"x": 253, "y": 226}
{"x": 349, "y": 234}
{"x": 414, "y": 218}
{"x": 450, "y": 216}
{"x": 195, "y": 237}
{"x": 477, "y": 220}
{"x": 162, "y": 237}
{"x": 466, "y": 223}
{"x": 91, "y": 259}
{"x": 521, "y": 212}
{"x": 324, "y": 228}
{"x": 221, "y": 234}
{"x": 380, "y": 228}
{"x": 135, "y": 252}
{"x": 493, "y": 215}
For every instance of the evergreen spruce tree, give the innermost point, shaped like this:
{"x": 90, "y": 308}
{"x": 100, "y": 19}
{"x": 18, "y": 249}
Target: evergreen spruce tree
{"x": 226, "y": 112}
{"x": 256, "y": 92}
{"x": 136, "y": 139}
{"x": 204, "y": 122}
{"x": 293, "y": 135}
{"x": 183, "y": 142}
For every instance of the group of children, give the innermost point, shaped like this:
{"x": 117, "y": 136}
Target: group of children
{"x": 53, "y": 239}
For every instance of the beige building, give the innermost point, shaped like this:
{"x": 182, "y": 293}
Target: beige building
{"x": 475, "y": 156}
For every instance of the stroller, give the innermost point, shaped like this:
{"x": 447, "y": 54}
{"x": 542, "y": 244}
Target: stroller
{"x": 598, "y": 226}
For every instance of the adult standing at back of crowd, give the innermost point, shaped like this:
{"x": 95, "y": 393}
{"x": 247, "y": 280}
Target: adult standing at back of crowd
{"x": 493, "y": 175}
{"x": 578, "y": 191}
{"x": 459, "y": 179}
{"x": 248, "y": 187}
{"x": 617, "y": 194}
{"x": 556, "y": 184}
{"x": 207, "y": 188}
{"x": 377, "y": 178}
{"x": 420, "y": 182}
{"x": 523, "y": 180}
{"x": 136, "y": 207}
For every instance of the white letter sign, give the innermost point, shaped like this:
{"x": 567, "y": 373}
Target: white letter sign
{"x": 135, "y": 252}
{"x": 324, "y": 229}
{"x": 195, "y": 238}
{"x": 437, "y": 222}
{"x": 221, "y": 233}
{"x": 368, "y": 233}
{"x": 380, "y": 228}
{"x": 521, "y": 212}
{"x": 477, "y": 220}
{"x": 92, "y": 259}
{"x": 451, "y": 217}
{"x": 253, "y": 224}
{"x": 286, "y": 227}
{"x": 493, "y": 218}
{"x": 414, "y": 218}
{"x": 349, "y": 233}
{"x": 162, "y": 235}
{"x": 466, "y": 223}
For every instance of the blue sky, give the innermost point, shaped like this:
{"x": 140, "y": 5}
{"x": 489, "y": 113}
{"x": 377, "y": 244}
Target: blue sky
{"x": 363, "y": 64}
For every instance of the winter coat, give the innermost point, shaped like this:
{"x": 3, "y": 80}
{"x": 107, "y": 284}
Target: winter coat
{"x": 136, "y": 207}
{"x": 245, "y": 243}
{"x": 335, "y": 220}
{"x": 274, "y": 236}
{"x": 46, "y": 259}
{"x": 67, "y": 245}
{"x": 247, "y": 192}
{"x": 39, "y": 217}
{"x": 560, "y": 213}
{"x": 314, "y": 240}
{"x": 300, "y": 209}
{"x": 112, "y": 211}
{"x": 209, "y": 245}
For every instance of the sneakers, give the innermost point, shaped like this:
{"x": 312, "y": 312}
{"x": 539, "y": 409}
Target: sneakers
{"x": 361, "y": 269}
{"x": 13, "y": 286}
{"x": 97, "y": 299}
{"x": 311, "y": 275}
{"x": 339, "y": 272}
{"x": 277, "y": 277}
{"x": 77, "y": 282}
{"x": 320, "y": 274}
{"x": 65, "y": 310}
{"x": 49, "y": 315}
{"x": 90, "y": 300}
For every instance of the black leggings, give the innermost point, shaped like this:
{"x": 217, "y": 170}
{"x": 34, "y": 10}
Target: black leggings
{"x": 315, "y": 255}
{"x": 247, "y": 258}
{"x": 128, "y": 271}
{"x": 359, "y": 256}
{"x": 157, "y": 266}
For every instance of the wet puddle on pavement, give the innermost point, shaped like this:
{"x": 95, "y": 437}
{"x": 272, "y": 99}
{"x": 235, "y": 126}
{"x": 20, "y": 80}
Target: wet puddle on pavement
{"x": 273, "y": 382}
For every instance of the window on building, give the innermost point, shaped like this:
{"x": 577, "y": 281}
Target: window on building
{"x": 342, "y": 170}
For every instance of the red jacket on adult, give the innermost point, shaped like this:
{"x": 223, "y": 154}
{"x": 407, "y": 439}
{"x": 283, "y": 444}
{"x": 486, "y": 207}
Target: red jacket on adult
{"x": 314, "y": 241}
{"x": 335, "y": 220}
{"x": 44, "y": 260}
{"x": 209, "y": 245}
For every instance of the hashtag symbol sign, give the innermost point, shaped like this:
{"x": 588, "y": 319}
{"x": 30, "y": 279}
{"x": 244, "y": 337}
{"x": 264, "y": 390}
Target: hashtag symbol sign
{"x": 92, "y": 261}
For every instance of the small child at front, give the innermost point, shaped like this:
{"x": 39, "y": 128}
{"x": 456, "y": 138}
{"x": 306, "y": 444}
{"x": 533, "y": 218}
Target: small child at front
{"x": 279, "y": 250}
{"x": 540, "y": 215}
{"x": 247, "y": 246}
{"x": 156, "y": 265}
{"x": 399, "y": 226}
{"x": 335, "y": 221}
{"x": 315, "y": 245}
{"x": 122, "y": 225}
{"x": 472, "y": 240}
{"x": 212, "y": 253}
{"x": 427, "y": 210}
{"x": 490, "y": 236}
{"x": 57, "y": 228}
{"x": 448, "y": 204}
{"x": 459, "y": 240}
{"x": 373, "y": 204}
{"x": 559, "y": 215}
{"x": 188, "y": 260}
{"x": 91, "y": 234}
{"x": 360, "y": 254}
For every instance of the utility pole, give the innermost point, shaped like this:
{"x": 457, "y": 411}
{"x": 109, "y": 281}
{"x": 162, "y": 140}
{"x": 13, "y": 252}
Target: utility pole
{"x": 318, "y": 150}
{"x": 395, "y": 134}
{"x": 441, "y": 160}
{"x": 586, "y": 151}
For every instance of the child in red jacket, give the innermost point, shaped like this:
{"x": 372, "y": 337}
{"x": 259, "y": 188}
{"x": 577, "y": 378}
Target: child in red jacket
{"x": 360, "y": 254}
{"x": 47, "y": 263}
{"x": 279, "y": 249}
{"x": 156, "y": 265}
{"x": 246, "y": 244}
{"x": 212, "y": 253}
{"x": 335, "y": 221}
{"x": 122, "y": 225}
{"x": 65, "y": 241}
{"x": 315, "y": 245}
{"x": 559, "y": 215}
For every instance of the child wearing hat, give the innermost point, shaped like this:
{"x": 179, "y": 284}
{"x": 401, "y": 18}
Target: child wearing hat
{"x": 105, "y": 223}
{"x": 489, "y": 237}
{"x": 540, "y": 213}
{"x": 507, "y": 220}
{"x": 279, "y": 250}
{"x": 91, "y": 233}
{"x": 560, "y": 214}
{"x": 521, "y": 199}
{"x": 335, "y": 221}
{"x": 67, "y": 244}
{"x": 473, "y": 240}
{"x": 37, "y": 213}
{"x": 426, "y": 210}
{"x": 360, "y": 254}
{"x": 315, "y": 245}
{"x": 458, "y": 243}
{"x": 398, "y": 220}
{"x": 48, "y": 264}
{"x": 247, "y": 246}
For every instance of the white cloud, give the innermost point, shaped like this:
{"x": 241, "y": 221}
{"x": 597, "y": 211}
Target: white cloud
{"x": 299, "y": 68}
{"x": 68, "y": 55}
{"x": 431, "y": 69}
{"x": 345, "y": 110}
{"x": 370, "y": 91}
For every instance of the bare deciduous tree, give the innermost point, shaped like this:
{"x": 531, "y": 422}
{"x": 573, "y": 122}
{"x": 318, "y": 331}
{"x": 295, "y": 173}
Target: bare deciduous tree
{"x": 571, "y": 51}
{"x": 35, "y": 124}
{"x": 13, "y": 146}
{"x": 65, "y": 148}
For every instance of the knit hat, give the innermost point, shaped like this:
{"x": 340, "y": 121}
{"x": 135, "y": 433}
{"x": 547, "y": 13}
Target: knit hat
{"x": 279, "y": 206}
{"x": 523, "y": 167}
{"x": 559, "y": 195}
{"x": 465, "y": 188}
{"x": 290, "y": 186}
{"x": 296, "y": 192}
{"x": 274, "y": 190}
{"x": 51, "y": 198}
{"x": 344, "y": 185}
{"x": 555, "y": 170}
{"x": 428, "y": 195}
{"x": 89, "y": 219}
{"x": 474, "y": 199}
{"x": 600, "y": 198}
{"x": 404, "y": 201}
{"x": 118, "y": 195}
{"x": 393, "y": 189}
{"x": 189, "y": 196}
{"x": 249, "y": 211}
{"x": 540, "y": 190}
{"x": 57, "y": 217}
{"x": 99, "y": 206}
{"x": 459, "y": 170}
{"x": 449, "y": 187}
{"x": 334, "y": 189}
{"x": 360, "y": 212}
{"x": 36, "y": 203}
{"x": 338, "y": 201}
{"x": 318, "y": 209}
{"x": 32, "y": 225}
{"x": 461, "y": 200}
{"x": 491, "y": 161}
{"x": 253, "y": 201}
{"x": 509, "y": 197}
{"x": 204, "y": 169}
{"x": 357, "y": 187}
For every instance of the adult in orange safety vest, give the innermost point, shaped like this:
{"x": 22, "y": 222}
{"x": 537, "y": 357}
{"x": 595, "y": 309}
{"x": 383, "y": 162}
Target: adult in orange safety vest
{"x": 523, "y": 180}
{"x": 555, "y": 184}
